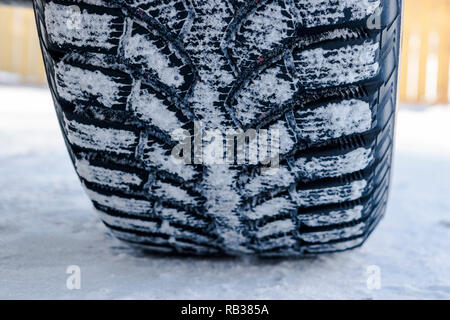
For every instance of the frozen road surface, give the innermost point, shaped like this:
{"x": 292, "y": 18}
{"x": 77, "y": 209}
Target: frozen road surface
{"x": 48, "y": 224}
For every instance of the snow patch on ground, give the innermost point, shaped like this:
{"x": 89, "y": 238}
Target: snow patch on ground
{"x": 47, "y": 223}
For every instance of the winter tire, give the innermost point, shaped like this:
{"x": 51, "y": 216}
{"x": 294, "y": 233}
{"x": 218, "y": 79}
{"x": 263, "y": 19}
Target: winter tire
{"x": 125, "y": 75}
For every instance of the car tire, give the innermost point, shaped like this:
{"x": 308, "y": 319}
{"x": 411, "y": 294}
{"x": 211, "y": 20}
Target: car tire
{"x": 321, "y": 75}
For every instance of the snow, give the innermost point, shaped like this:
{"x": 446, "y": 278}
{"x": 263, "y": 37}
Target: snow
{"x": 149, "y": 108}
{"x": 8, "y": 78}
{"x": 315, "y": 11}
{"x": 139, "y": 50}
{"x": 47, "y": 224}
{"x": 92, "y": 84}
{"x": 68, "y": 24}
{"x": 334, "y": 120}
{"x": 103, "y": 139}
{"x": 346, "y": 192}
{"x": 130, "y": 205}
{"x": 314, "y": 220}
{"x": 334, "y": 166}
{"x": 112, "y": 178}
{"x": 162, "y": 189}
{"x": 333, "y": 67}
{"x": 157, "y": 156}
{"x": 270, "y": 208}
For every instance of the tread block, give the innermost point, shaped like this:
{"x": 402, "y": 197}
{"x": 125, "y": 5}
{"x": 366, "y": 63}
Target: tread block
{"x": 133, "y": 206}
{"x": 333, "y": 166}
{"x": 157, "y": 155}
{"x": 315, "y": 13}
{"x": 108, "y": 177}
{"x": 282, "y": 138}
{"x": 171, "y": 13}
{"x": 148, "y": 51}
{"x": 153, "y": 108}
{"x": 165, "y": 190}
{"x": 159, "y": 243}
{"x": 277, "y": 244}
{"x": 275, "y": 228}
{"x": 90, "y": 136}
{"x": 334, "y": 120}
{"x": 268, "y": 26}
{"x": 140, "y": 230}
{"x": 270, "y": 89}
{"x": 327, "y": 218}
{"x": 271, "y": 208}
{"x": 281, "y": 178}
{"x": 319, "y": 67}
{"x": 80, "y": 27}
{"x": 90, "y": 85}
{"x": 179, "y": 216}
{"x": 329, "y": 235}
{"x": 332, "y": 247}
{"x": 329, "y": 195}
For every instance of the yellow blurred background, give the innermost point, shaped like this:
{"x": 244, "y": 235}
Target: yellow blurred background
{"x": 424, "y": 76}
{"x": 20, "y": 53}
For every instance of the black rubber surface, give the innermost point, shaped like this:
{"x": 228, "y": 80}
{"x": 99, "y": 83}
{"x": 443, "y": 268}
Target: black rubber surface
{"x": 125, "y": 74}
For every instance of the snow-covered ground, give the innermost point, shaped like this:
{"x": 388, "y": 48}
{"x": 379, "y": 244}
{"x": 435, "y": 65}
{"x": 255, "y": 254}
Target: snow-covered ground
{"x": 47, "y": 224}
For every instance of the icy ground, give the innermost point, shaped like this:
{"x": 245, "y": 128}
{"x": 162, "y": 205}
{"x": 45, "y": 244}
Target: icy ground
{"x": 47, "y": 223}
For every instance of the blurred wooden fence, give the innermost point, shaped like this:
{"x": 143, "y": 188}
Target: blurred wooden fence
{"x": 20, "y": 53}
{"x": 425, "y": 60}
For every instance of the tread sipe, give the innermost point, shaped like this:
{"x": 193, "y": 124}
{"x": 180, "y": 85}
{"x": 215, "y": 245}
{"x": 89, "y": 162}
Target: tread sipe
{"x": 125, "y": 74}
